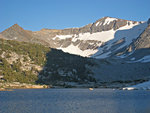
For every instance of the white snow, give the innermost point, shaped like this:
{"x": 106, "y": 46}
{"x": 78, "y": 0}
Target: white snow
{"x": 97, "y": 23}
{"x": 128, "y": 88}
{"x": 62, "y": 36}
{"x": 144, "y": 86}
{"x": 128, "y": 33}
{"x": 75, "y": 38}
{"x": 108, "y": 20}
{"x": 132, "y": 58}
{"x": 15, "y": 38}
{"x": 76, "y": 50}
{"x": 145, "y": 59}
{"x": 103, "y": 36}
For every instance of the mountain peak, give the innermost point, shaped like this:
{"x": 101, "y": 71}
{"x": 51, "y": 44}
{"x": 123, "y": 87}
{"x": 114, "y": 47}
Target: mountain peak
{"x": 107, "y": 17}
{"x": 16, "y": 26}
{"x": 13, "y": 28}
{"x": 113, "y": 18}
{"x": 15, "y": 32}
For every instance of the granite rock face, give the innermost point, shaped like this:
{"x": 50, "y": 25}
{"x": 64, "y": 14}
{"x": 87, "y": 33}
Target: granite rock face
{"x": 143, "y": 40}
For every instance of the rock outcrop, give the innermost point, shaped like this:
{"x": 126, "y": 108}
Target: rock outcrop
{"x": 143, "y": 41}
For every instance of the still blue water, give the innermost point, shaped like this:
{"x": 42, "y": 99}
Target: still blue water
{"x": 74, "y": 101}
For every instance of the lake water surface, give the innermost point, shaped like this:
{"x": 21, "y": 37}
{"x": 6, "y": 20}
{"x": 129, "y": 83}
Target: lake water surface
{"x": 74, "y": 101}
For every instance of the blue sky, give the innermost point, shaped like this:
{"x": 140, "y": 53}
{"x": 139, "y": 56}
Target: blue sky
{"x": 59, "y": 14}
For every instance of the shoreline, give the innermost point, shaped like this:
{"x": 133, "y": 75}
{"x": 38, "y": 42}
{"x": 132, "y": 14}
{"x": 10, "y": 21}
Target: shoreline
{"x": 9, "y": 86}
{"x": 6, "y": 86}
{"x": 16, "y": 85}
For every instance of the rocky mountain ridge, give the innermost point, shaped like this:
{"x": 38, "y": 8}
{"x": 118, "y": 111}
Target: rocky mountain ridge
{"x": 85, "y": 41}
{"x": 121, "y": 49}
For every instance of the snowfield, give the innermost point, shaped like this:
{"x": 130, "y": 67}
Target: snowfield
{"x": 143, "y": 86}
{"x": 75, "y": 50}
{"x": 123, "y": 36}
{"x": 126, "y": 33}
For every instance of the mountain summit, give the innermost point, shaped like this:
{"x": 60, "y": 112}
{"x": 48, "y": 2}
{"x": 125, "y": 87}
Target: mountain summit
{"x": 101, "y": 39}
{"x": 16, "y": 32}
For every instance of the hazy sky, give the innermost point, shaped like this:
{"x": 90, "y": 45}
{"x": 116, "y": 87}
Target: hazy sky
{"x": 58, "y": 14}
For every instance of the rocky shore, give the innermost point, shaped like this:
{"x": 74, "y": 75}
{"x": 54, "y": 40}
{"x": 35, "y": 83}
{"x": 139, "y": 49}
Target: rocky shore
{"x": 16, "y": 85}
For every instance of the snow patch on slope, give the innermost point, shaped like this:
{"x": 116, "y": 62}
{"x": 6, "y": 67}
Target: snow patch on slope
{"x": 103, "y": 36}
{"x": 128, "y": 32}
{"x": 144, "y": 86}
{"x": 145, "y": 59}
{"x": 108, "y": 38}
{"x": 97, "y": 23}
{"x": 62, "y": 37}
{"x": 76, "y": 50}
{"x": 108, "y": 20}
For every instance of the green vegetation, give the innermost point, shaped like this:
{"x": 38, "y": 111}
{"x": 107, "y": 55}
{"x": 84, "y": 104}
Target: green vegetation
{"x": 57, "y": 65}
{"x": 35, "y": 51}
{"x": 13, "y": 72}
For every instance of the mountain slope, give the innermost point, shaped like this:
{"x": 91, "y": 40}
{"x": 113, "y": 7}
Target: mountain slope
{"x": 31, "y": 63}
{"x": 96, "y": 39}
{"x": 121, "y": 49}
{"x": 123, "y": 37}
{"x": 15, "y": 32}
{"x": 138, "y": 50}
{"x": 143, "y": 40}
